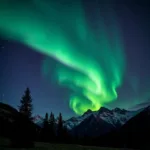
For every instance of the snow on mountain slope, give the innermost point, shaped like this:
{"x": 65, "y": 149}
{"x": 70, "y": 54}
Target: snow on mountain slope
{"x": 74, "y": 121}
{"x": 39, "y": 120}
{"x": 117, "y": 117}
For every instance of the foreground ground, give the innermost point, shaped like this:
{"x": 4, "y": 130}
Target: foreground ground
{"x": 47, "y": 146}
{"x": 70, "y": 147}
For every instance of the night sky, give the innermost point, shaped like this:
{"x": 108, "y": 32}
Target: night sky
{"x": 75, "y": 55}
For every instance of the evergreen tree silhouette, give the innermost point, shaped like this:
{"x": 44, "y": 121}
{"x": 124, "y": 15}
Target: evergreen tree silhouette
{"x": 60, "y": 127}
{"x": 26, "y": 106}
{"x": 52, "y": 127}
{"x": 45, "y": 133}
{"x": 23, "y": 126}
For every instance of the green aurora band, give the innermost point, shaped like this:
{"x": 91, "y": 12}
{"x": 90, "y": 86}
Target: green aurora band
{"x": 91, "y": 61}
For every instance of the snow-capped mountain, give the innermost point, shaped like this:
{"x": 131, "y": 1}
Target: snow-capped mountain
{"x": 37, "y": 119}
{"x": 116, "y": 117}
{"x": 74, "y": 121}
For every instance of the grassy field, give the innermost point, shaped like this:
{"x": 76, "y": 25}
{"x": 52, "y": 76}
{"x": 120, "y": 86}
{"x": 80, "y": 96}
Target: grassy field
{"x": 47, "y": 146}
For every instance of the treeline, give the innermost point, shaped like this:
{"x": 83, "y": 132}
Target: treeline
{"x": 23, "y": 132}
{"x": 53, "y": 130}
{"x": 26, "y": 132}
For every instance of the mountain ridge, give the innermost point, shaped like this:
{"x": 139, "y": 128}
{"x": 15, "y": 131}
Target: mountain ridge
{"x": 116, "y": 117}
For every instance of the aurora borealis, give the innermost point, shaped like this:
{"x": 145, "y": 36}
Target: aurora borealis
{"x": 89, "y": 53}
{"x": 92, "y": 84}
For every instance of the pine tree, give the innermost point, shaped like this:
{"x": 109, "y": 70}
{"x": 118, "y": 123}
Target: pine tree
{"x": 51, "y": 119}
{"x": 45, "y": 133}
{"x": 60, "y": 127}
{"x": 26, "y": 106}
{"x": 46, "y": 120}
{"x": 23, "y": 126}
{"x": 52, "y": 126}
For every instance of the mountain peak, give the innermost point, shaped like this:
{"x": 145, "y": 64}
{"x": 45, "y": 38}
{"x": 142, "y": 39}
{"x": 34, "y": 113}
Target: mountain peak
{"x": 104, "y": 109}
{"x": 116, "y": 109}
{"x": 88, "y": 112}
{"x": 119, "y": 110}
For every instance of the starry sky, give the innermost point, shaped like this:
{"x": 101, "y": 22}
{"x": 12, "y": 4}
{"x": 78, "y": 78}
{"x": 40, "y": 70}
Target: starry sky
{"x": 75, "y": 56}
